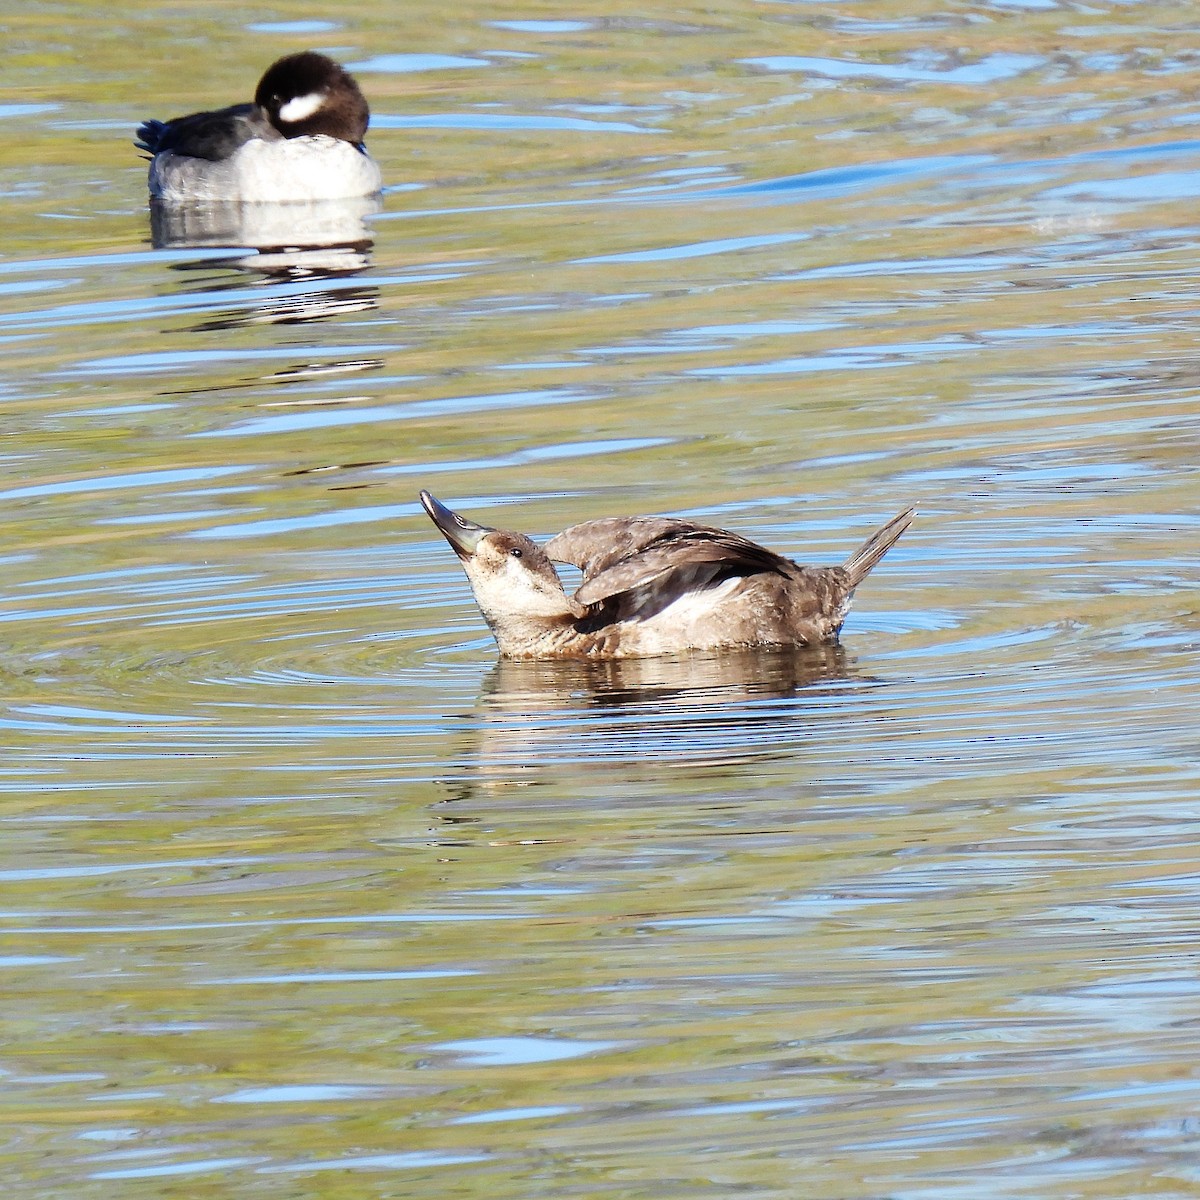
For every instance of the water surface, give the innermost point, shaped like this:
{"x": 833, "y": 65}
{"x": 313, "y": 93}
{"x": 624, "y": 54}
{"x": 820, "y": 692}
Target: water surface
{"x": 306, "y": 894}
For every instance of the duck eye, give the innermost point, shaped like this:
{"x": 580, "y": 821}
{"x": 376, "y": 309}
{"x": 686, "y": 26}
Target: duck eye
{"x": 516, "y": 552}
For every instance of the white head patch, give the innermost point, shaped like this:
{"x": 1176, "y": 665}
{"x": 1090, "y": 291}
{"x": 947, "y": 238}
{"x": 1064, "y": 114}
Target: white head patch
{"x": 300, "y": 108}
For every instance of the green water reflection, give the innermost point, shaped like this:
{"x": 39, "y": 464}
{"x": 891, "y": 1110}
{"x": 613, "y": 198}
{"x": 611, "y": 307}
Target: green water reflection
{"x": 306, "y": 895}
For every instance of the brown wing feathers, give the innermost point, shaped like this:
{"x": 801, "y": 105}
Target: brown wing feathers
{"x": 619, "y": 555}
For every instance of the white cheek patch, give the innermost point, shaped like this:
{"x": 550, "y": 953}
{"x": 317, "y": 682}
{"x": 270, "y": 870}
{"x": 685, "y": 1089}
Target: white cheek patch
{"x": 300, "y": 108}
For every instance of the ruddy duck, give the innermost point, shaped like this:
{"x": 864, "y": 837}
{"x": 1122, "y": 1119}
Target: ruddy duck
{"x": 651, "y": 585}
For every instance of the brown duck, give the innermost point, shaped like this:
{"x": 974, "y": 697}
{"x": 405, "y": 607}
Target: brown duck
{"x": 651, "y": 585}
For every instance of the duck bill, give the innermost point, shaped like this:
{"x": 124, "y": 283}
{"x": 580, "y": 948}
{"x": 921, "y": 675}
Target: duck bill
{"x": 463, "y": 535}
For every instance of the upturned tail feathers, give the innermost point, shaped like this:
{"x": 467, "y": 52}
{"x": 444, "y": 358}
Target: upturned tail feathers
{"x": 860, "y": 564}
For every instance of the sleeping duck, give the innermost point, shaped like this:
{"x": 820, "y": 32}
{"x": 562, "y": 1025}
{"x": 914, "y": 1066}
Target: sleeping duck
{"x": 301, "y": 140}
{"x": 651, "y": 585}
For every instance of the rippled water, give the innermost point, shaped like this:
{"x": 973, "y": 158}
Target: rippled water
{"x": 307, "y": 895}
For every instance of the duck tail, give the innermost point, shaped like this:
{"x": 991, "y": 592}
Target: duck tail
{"x": 150, "y": 136}
{"x": 860, "y": 564}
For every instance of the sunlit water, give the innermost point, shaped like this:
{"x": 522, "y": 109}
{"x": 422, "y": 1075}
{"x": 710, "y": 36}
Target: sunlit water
{"x": 305, "y": 895}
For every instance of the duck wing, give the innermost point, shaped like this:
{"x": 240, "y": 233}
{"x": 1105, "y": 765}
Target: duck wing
{"x": 593, "y": 546}
{"x": 618, "y": 555}
{"x": 210, "y": 135}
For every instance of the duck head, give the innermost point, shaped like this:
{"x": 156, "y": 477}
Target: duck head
{"x": 515, "y": 584}
{"x": 307, "y": 94}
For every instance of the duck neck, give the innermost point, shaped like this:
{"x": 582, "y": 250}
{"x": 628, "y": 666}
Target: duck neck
{"x": 557, "y": 636}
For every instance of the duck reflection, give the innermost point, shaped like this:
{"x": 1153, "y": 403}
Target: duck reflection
{"x": 519, "y": 685}
{"x": 281, "y": 228}
{"x": 325, "y": 241}
{"x": 552, "y": 718}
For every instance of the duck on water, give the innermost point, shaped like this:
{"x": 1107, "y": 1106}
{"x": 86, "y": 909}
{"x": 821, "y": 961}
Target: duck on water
{"x": 300, "y": 140}
{"x": 651, "y": 585}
